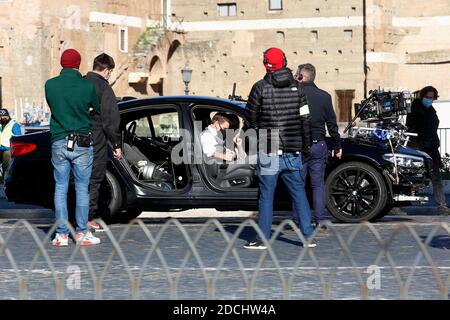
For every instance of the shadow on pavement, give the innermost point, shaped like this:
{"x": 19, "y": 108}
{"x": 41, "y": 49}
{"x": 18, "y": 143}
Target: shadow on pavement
{"x": 439, "y": 242}
{"x": 248, "y": 234}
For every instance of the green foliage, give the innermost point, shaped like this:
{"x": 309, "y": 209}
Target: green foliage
{"x": 149, "y": 38}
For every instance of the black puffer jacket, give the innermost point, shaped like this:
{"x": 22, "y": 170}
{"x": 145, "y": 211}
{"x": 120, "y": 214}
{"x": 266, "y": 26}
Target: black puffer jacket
{"x": 278, "y": 102}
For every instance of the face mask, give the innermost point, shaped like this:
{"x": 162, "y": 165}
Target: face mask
{"x": 427, "y": 102}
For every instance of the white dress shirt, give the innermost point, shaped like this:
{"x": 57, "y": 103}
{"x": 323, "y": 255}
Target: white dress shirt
{"x": 209, "y": 140}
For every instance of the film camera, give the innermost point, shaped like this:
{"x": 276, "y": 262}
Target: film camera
{"x": 384, "y": 104}
{"x": 381, "y": 105}
{"x": 382, "y": 112}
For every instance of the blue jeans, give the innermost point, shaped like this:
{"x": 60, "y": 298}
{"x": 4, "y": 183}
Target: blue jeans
{"x": 63, "y": 161}
{"x": 288, "y": 166}
{"x": 315, "y": 167}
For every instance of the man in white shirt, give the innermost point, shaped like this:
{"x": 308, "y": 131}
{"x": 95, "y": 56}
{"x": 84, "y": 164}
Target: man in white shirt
{"x": 212, "y": 140}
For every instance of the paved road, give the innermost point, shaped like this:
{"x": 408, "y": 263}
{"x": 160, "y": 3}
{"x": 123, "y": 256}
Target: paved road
{"x": 230, "y": 282}
{"x": 159, "y": 279}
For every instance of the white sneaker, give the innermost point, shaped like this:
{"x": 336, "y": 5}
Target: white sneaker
{"x": 87, "y": 239}
{"x": 311, "y": 244}
{"x": 61, "y": 240}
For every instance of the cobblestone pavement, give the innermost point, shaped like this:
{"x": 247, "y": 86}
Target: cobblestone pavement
{"x": 341, "y": 276}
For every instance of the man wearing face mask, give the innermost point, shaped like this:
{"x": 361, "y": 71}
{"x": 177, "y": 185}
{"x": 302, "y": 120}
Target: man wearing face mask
{"x": 212, "y": 140}
{"x": 105, "y": 126}
{"x": 424, "y": 121}
{"x": 9, "y": 128}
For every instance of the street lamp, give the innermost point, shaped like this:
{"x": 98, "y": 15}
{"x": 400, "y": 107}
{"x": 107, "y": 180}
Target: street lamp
{"x": 186, "y": 72}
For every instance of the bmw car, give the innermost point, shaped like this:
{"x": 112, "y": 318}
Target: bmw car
{"x": 365, "y": 184}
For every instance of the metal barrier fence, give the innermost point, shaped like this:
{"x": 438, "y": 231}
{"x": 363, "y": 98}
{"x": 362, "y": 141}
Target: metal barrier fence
{"x": 443, "y": 134}
{"x": 276, "y": 273}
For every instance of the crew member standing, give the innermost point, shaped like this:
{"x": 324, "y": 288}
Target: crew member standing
{"x": 71, "y": 99}
{"x": 322, "y": 113}
{"x": 277, "y": 106}
{"x": 424, "y": 121}
{"x": 9, "y": 128}
{"x": 105, "y": 126}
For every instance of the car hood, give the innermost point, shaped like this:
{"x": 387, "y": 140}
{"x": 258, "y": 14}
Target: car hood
{"x": 411, "y": 152}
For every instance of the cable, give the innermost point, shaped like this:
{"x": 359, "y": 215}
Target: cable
{"x": 397, "y": 179}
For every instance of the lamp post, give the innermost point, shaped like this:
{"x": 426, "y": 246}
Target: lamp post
{"x": 186, "y": 72}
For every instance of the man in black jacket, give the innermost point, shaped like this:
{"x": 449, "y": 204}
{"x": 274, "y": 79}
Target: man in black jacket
{"x": 322, "y": 113}
{"x": 278, "y": 110}
{"x": 105, "y": 126}
{"x": 424, "y": 121}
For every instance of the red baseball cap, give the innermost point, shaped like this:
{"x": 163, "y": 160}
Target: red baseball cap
{"x": 71, "y": 59}
{"x": 274, "y": 59}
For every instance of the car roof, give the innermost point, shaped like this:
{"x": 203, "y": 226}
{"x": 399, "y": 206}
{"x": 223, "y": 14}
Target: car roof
{"x": 174, "y": 99}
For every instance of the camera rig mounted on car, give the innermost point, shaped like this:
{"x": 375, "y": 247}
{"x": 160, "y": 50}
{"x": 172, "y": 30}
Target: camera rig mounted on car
{"x": 382, "y": 112}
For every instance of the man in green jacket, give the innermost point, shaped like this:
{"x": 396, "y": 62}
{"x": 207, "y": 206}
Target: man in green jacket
{"x": 72, "y": 100}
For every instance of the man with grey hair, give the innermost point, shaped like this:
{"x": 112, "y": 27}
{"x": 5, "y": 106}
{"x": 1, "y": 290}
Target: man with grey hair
{"x": 322, "y": 113}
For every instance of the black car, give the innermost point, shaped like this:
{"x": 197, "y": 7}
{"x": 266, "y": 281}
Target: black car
{"x": 364, "y": 185}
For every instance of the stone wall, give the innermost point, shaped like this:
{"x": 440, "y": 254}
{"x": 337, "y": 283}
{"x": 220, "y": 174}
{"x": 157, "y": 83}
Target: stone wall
{"x": 328, "y": 34}
{"x": 408, "y": 44}
{"x": 33, "y": 34}
{"x": 404, "y": 45}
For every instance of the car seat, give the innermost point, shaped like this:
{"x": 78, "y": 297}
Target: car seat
{"x": 147, "y": 170}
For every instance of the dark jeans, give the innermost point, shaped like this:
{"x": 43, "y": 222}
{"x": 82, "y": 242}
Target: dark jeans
{"x": 5, "y": 156}
{"x": 268, "y": 170}
{"x": 315, "y": 167}
{"x": 97, "y": 177}
{"x": 436, "y": 177}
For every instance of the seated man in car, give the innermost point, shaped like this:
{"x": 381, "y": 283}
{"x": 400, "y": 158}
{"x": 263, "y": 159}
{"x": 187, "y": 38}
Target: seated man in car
{"x": 212, "y": 140}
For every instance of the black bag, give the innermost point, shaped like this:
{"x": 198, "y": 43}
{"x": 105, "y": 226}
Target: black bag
{"x": 84, "y": 140}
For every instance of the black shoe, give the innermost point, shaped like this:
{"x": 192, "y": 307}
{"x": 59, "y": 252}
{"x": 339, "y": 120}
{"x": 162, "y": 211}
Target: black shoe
{"x": 320, "y": 226}
{"x": 288, "y": 227}
{"x": 443, "y": 211}
{"x": 255, "y": 245}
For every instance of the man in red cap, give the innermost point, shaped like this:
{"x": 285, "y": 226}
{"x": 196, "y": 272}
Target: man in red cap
{"x": 278, "y": 110}
{"x": 72, "y": 100}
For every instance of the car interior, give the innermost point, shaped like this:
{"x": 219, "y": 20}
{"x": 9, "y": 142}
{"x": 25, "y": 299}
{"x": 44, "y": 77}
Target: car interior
{"x": 148, "y": 138}
{"x": 239, "y": 173}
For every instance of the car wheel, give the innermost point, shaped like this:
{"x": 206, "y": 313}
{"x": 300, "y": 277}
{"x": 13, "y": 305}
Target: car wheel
{"x": 130, "y": 215}
{"x": 110, "y": 199}
{"x": 387, "y": 208}
{"x": 355, "y": 192}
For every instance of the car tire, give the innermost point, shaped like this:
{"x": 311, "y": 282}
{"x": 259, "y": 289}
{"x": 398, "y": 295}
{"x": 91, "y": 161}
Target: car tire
{"x": 129, "y": 215}
{"x": 355, "y": 192}
{"x": 385, "y": 211}
{"x": 110, "y": 199}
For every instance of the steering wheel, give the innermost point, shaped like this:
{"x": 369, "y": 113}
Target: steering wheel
{"x": 131, "y": 132}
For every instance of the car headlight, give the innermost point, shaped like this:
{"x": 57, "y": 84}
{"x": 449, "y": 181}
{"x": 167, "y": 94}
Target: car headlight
{"x": 404, "y": 160}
